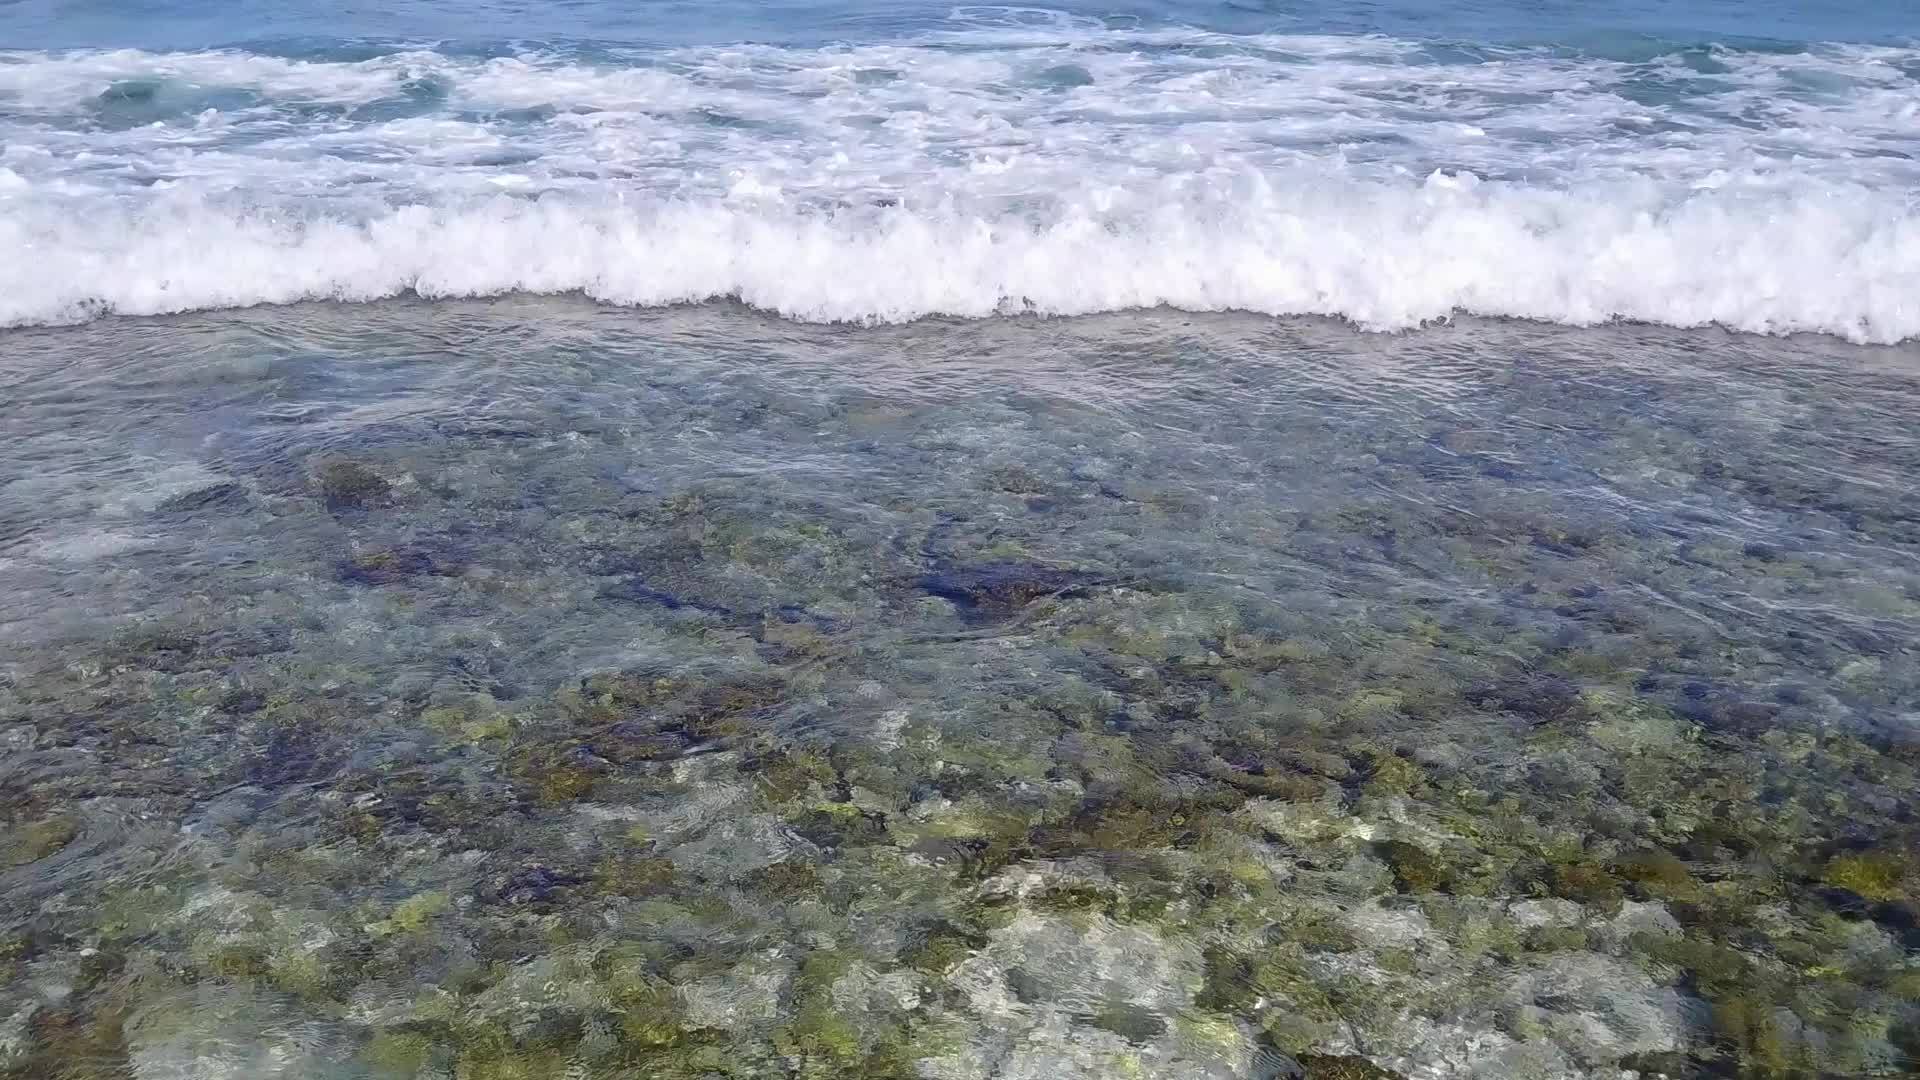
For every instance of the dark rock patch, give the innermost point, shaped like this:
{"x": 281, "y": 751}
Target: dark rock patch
{"x": 1343, "y": 1067}
{"x": 1538, "y": 698}
{"x": 223, "y": 498}
{"x": 635, "y": 590}
{"x": 998, "y": 589}
{"x": 406, "y": 562}
{"x": 346, "y": 485}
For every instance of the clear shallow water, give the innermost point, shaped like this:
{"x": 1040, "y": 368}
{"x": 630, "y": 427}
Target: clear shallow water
{"x": 697, "y": 612}
{"x": 534, "y": 688}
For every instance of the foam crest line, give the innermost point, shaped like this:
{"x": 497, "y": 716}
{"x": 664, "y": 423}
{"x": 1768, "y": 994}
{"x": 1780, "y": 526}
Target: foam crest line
{"x": 1383, "y": 255}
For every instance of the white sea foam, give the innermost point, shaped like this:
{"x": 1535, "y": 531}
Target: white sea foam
{"x": 48, "y": 83}
{"x": 1045, "y": 167}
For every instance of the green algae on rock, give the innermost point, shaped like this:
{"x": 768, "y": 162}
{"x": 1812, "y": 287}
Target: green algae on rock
{"x": 348, "y": 485}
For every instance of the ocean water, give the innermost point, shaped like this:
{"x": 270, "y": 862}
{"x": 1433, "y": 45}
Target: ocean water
{"x": 1686, "y": 164}
{"x": 835, "y": 540}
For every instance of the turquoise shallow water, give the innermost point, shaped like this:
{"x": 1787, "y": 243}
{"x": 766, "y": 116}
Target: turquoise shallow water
{"x": 818, "y": 540}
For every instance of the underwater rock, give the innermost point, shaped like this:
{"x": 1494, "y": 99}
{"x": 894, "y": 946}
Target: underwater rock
{"x": 535, "y": 884}
{"x": 1015, "y": 479}
{"x": 1342, "y": 1067}
{"x": 747, "y": 994}
{"x": 225, "y": 1032}
{"x": 635, "y": 590}
{"x": 735, "y": 848}
{"x": 222, "y": 498}
{"x": 1304, "y": 822}
{"x": 1415, "y": 869}
{"x": 1874, "y": 875}
{"x": 1598, "y": 1009}
{"x": 1270, "y": 1063}
{"x": 158, "y": 646}
{"x": 935, "y": 947}
{"x": 36, "y": 840}
{"x": 1636, "y": 923}
{"x": 48, "y": 1038}
{"x": 1657, "y": 873}
{"x": 1536, "y": 698}
{"x": 402, "y": 563}
{"x": 16, "y": 1036}
{"x": 998, "y": 589}
{"x": 347, "y": 485}
{"x": 1055, "y": 970}
{"x": 1624, "y": 725}
{"x": 1066, "y": 998}
{"x": 1748, "y": 718}
{"x": 246, "y": 641}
